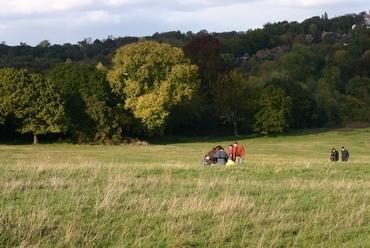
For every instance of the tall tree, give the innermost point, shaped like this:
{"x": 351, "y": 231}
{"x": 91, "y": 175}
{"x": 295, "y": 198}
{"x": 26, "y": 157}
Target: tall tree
{"x": 231, "y": 101}
{"x": 275, "y": 108}
{"x": 357, "y": 102}
{"x": 33, "y": 100}
{"x": 205, "y": 51}
{"x": 152, "y": 78}
{"x": 89, "y": 102}
{"x": 299, "y": 63}
{"x": 332, "y": 76}
{"x": 305, "y": 112}
{"x": 258, "y": 39}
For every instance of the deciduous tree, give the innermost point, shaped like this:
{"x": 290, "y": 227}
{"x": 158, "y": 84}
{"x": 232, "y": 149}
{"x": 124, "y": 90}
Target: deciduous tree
{"x": 299, "y": 63}
{"x": 152, "y": 78}
{"x": 231, "y": 99}
{"x": 205, "y": 51}
{"x": 305, "y": 112}
{"x": 89, "y": 103}
{"x": 33, "y": 100}
{"x": 275, "y": 108}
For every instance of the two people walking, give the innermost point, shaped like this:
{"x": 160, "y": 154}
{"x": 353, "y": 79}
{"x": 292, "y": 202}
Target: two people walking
{"x": 334, "y": 155}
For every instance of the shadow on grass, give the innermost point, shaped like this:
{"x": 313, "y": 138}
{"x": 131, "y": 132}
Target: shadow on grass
{"x": 27, "y": 139}
{"x": 175, "y": 139}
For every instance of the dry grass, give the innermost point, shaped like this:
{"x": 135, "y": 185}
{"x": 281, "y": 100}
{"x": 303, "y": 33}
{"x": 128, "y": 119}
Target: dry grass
{"x": 153, "y": 196}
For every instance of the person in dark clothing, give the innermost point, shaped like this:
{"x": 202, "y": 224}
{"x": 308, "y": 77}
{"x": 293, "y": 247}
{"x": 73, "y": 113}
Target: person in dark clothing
{"x": 345, "y": 154}
{"x": 208, "y": 158}
{"x": 220, "y": 156}
{"x": 334, "y": 156}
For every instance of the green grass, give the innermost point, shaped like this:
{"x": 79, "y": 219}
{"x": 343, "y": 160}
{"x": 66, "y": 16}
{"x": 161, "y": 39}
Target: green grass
{"x": 287, "y": 194}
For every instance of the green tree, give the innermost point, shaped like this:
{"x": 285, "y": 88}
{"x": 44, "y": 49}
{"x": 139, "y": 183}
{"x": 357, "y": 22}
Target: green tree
{"x": 332, "y": 76}
{"x": 275, "y": 108}
{"x": 205, "y": 51}
{"x": 359, "y": 87}
{"x": 89, "y": 102}
{"x": 231, "y": 99}
{"x": 152, "y": 78}
{"x": 357, "y": 102}
{"x": 44, "y": 43}
{"x": 33, "y": 100}
{"x": 299, "y": 63}
{"x": 304, "y": 112}
{"x": 258, "y": 39}
{"x": 315, "y": 32}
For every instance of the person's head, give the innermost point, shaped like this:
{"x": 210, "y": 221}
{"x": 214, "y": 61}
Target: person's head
{"x": 230, "y": 146}
{"x": 343, "y": 148}
{"x": 235, "y": 144}
{"x": 333, "y": 149}
{"x": 220, "y": 148}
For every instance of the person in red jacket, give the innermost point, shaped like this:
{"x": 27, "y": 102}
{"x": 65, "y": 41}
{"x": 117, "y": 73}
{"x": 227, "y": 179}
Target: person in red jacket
{"x": 238, "y": 153}
{"x": 230, "y": 152}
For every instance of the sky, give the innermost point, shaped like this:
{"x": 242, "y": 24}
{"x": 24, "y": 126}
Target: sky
{"x": 70, "y": 21}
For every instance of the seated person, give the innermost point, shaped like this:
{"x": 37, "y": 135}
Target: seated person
{"x": 208, "y": 159}
{"x": 220, "y": 156}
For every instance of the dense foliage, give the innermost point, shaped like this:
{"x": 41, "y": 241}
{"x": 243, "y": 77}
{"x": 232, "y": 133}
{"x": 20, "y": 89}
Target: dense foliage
{"x": 316, "y": 72}
{"x": 151, "y": 78}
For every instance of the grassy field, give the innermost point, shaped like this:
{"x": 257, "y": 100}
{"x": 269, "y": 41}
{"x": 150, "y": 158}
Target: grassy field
{"x": 287, "y": 194}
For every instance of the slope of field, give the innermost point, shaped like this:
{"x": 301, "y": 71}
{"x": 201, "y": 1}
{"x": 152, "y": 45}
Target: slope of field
{"x": 287, "y": 194}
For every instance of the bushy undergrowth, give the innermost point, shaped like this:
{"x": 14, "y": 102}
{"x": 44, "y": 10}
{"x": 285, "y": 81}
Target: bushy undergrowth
{"x": 287, "y": 194}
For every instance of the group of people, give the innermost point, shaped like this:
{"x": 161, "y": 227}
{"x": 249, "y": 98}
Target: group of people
{"x": 334, "y": 156}
{"x": 235, "y": 155}
{"x": 218, "y": 156}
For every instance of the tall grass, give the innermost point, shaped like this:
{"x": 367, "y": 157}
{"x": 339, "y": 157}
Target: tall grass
{"x": 287, "y": 194}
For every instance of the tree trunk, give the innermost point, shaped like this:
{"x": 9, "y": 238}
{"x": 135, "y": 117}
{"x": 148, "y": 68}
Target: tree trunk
{"x": 235, "y": 124}
{"x": 35, "y": 140}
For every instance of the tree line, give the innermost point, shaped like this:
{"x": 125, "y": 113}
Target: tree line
{"x": 190, "y": 84}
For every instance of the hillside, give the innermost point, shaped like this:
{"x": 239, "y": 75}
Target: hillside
{"x": 287, "y": 75}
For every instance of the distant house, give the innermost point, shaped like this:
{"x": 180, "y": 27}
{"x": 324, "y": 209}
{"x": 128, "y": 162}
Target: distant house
{"x": 280, "y": 49}
{"x": 243, "y": 58}
{"x": 264, "y": 53}
{"x": 309, "y": 38}
{"x": 367, "y": 22}
{"x": 324, "y": 34}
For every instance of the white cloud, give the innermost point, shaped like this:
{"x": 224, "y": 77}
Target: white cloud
{"x": 63, "y": 21}
{"x": 121, "y": 2}
{"x": 315, "y": 3}
{"x": 100, "y": 16}
{"x": 9, "y": 7}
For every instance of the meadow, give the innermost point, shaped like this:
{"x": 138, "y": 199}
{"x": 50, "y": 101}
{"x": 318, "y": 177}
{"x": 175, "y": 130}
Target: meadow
{"x": 157, "y": 194}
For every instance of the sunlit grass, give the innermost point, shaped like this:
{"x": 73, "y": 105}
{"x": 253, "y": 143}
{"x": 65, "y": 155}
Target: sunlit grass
{"x": 287, "y": 194}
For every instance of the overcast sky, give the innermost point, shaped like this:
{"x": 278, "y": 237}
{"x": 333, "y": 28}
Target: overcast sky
{"x": 70, "y": 21}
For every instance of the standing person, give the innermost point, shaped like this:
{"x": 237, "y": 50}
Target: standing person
{"x": 345, "y": 154}
{"x": 230, "y": 153}
{"x": 220, "y": 156}
{"x": 238, "y": 153}
{"x": 334, "y": 156}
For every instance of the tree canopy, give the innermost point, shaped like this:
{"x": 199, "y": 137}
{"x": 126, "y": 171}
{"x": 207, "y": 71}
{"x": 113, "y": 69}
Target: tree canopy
{"x": 152, "y": 78}
{"x": 32, "y": 100}
{"x": 88, "y": 101}
{"x": 191, "y": 83}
